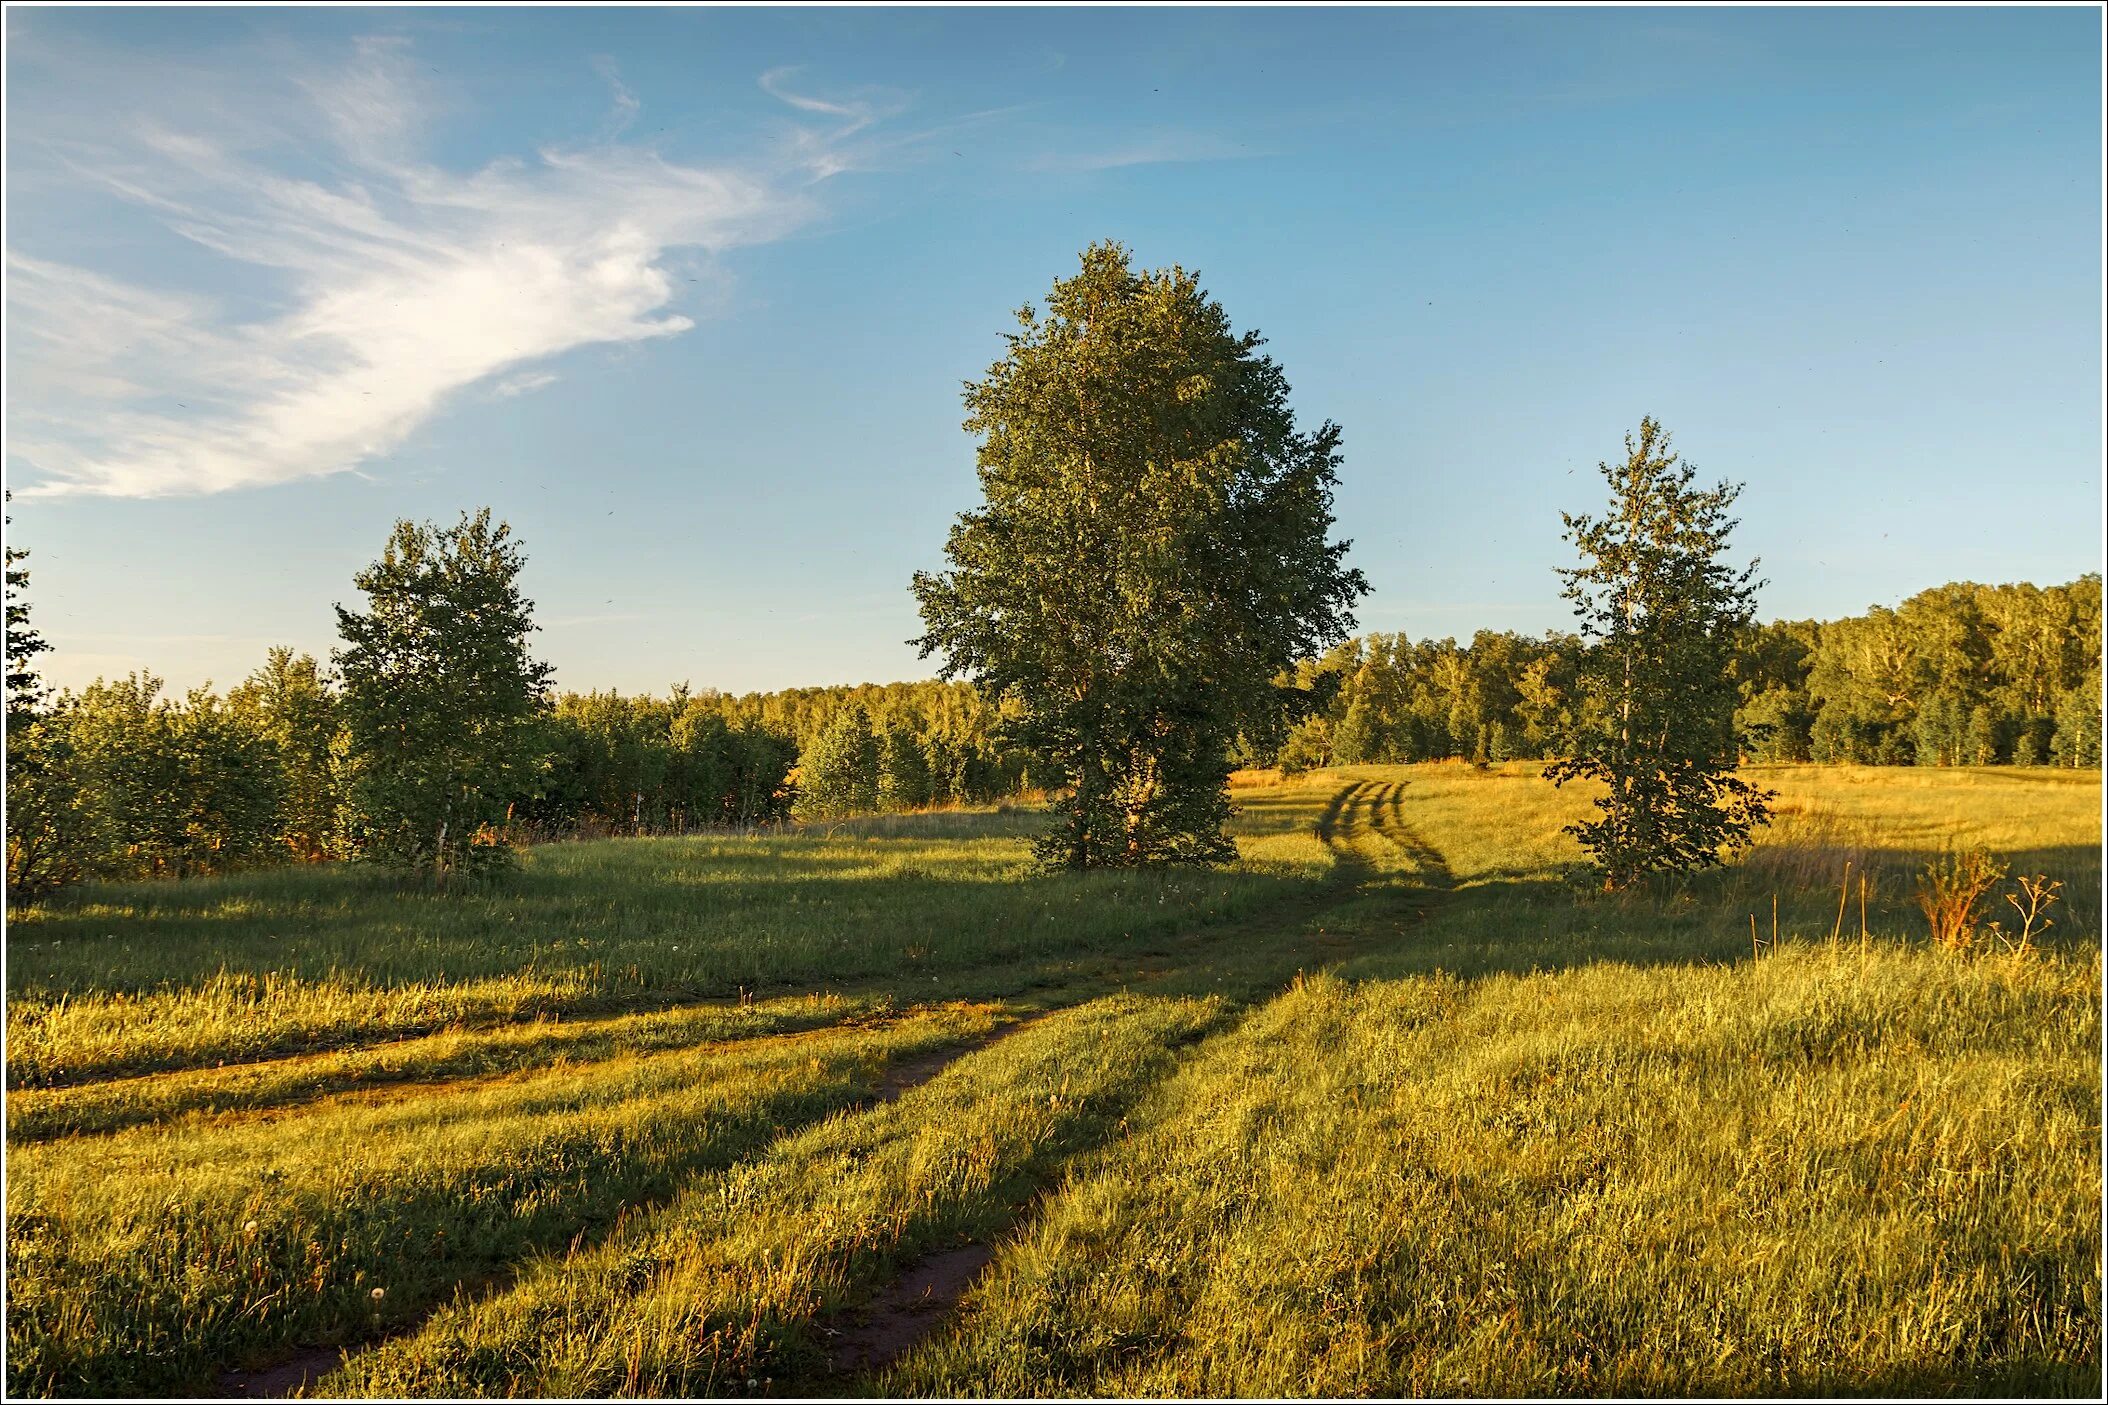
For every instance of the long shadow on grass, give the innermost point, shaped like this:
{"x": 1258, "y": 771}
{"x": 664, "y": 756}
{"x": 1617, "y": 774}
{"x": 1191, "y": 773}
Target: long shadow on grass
{"x": 408, "y": 965}
{"x": 1518, "y": 925}
{"x": 745, "y": 1277}
{"x": 573, "y": 1190}
{"x": 296, "y": 1371}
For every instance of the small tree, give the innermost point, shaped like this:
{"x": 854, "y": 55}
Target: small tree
{"x": 440, "y": 696}
{"x": 1661, "y": 610}
{"x": 904, "y": 770}
{"x": 289, "y": 701}
{"x": 839, "y": 773}
{"x": 25, "y": 690}
{"x": 1151, "y": 551}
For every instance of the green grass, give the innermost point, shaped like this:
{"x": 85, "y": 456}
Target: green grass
{"x": 35, "y": 1114}
{"x": 1394, "y": 1105}
{"x": 146, "y": 1260}
{"x": 135, "y": 978}
{"x": 731, "y": 1281}
{"x": 1836, "y": 1170}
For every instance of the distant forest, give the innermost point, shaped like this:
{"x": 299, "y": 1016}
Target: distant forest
{"x": 1960, "y": 675}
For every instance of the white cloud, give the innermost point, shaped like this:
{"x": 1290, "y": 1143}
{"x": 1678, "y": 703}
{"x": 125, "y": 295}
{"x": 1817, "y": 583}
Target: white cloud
{"x": 774, "y": 83}
{"x": 523, "y": 383}
{"x": 393, "y": 284}
{"x": 1163, "y": 149}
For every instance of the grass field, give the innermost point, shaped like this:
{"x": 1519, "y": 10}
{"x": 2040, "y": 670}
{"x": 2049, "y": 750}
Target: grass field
{"x": 1394, "y": 1105}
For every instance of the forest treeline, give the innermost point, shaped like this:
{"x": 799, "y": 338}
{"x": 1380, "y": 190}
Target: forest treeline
{"x": 1960, "y": 675}
{"x": 156, "y": 783}
{"x": 159, "y": 784}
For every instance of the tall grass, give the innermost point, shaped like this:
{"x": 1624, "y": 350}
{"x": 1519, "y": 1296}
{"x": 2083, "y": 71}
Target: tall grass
{"x": 146, "y": 1260}
{"x": 733, "y": 1281}
{"x": 1522, "y": 1137}
{"x": 1842, "y": 1169}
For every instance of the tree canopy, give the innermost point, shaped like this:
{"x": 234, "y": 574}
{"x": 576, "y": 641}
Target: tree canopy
{"x": 1151, "y": 551}
{"x": 439, "y": 694}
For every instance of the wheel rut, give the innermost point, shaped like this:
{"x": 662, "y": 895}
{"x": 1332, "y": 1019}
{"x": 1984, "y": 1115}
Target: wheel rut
{"x": 296, "y": 1371}
{"x": 921, "y": 1299}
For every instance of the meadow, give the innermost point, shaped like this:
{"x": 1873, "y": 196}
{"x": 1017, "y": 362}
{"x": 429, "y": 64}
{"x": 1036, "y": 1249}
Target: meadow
{"x": 1394, "y": 1105}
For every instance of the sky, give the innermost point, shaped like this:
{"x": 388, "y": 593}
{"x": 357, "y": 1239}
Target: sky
{"x": 688, "y": 297}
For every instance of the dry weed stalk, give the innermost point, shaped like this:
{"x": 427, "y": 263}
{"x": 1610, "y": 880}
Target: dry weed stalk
{"x": 1949, "y": 891}
{"x": 2037, "y": 895}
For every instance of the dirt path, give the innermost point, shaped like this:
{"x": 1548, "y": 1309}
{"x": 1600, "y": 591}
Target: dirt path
{"x": 906, "y": 1310}
{"x": 307, "y": 1365}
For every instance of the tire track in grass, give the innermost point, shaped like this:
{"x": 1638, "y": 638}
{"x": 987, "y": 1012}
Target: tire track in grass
{"x": 400, "y": 1067}
{"x": 305, "y": 1367}
{"x": 922, "y": 1299}
{"x": 1401, "y": 834}
{"x": 739, "y": 1278}
{"x": 150, "y": 1260}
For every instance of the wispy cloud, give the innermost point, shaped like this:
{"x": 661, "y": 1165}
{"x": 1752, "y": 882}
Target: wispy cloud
{"x": 1166, "y": 148}
{"x": 393, "y": 283}
{"x": 523, "y": 383}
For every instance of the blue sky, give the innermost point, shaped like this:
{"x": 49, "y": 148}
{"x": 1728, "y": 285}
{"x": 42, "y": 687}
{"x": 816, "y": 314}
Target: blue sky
{"x": 688, "y": 296}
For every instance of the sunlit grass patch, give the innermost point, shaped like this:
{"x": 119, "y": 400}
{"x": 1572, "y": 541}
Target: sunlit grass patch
{"x": 39, "y": 1113}
{"x": 734, "y": 1279}
{"x": 148, "y": 1259}
{"x": 1839, "y": 1169}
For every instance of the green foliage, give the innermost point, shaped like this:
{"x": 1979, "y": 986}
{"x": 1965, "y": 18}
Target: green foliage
{"x": 2078, "y": 737}
{"x": 1308, "y": 747}
{"x": 49, "y": 817}
{"x": 24, "y": 689}
{"x": 904, "y": 770}
{"x": 290, "y": 702}
{"x": 181, "y": 787}
{"x": 57, "y": 829}
{"x": 1961, "y": 674}
{"x": 1661, "y": 611}
{"x": 440, "y": 697}
{"x": 643, "y": 765}
{"x": 1150, "y": 553}
{"x": 838, "y": 774}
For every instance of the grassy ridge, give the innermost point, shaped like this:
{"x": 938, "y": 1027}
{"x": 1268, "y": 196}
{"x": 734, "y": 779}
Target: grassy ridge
{"x": 733, "y": 1280}
{"x": 1839, "y": 1169}
{"x": 148, "y": 1259}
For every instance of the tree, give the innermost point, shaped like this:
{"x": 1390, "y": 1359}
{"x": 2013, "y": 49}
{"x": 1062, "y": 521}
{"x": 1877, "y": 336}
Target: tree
{"x": 2077, "y": 741}
{"x": 290, "y": 702}
{"x": 904, "y": 770}
{"x": 180, "y": 787}
{"x": 1662, "y": 611}
{"x": 25, "y": 690}
{"x": 440, "y": 696}
{"x": 1151, "y": 552}
{"x": 839, "y": 773}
